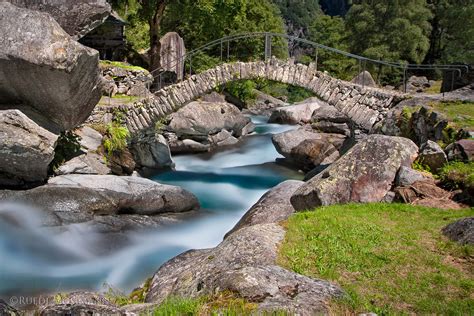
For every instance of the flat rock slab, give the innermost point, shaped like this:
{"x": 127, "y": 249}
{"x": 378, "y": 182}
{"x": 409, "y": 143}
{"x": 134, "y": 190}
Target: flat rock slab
{"x": 364, "y": 174}
{"x": 42, "y": 68}
{"x": 79, "y": 198}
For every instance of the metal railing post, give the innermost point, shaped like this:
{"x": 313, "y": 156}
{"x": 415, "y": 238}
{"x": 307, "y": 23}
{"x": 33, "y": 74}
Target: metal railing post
{"x": 228, "y": 50}
{"x": 190, "y": 65}
{"x": 363, "y": 75}
{"x": 405, "y": 79}
{"x": 268, "y": 46}
{"x": 316, "y": 59}
{"x": 221, "y": 49}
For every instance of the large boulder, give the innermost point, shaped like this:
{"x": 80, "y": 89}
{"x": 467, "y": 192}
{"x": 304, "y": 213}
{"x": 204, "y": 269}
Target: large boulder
{"x": 285, "y": 142}
{"x": 44, "y": 72}
{"x": 26, "y": 149}
{"x": 76, "y": 17}
{"x": 432, "y": 155}
{"x": 462, "y": 150}
{"x": 307, "y": 149}
{"x": 364, "y": 79}
{"x": 273, "y": 207}
{"x": 296, "y": 113}
{"x": 78, "y": 198}
{"x": 364, "y": 174}
{"x": 151, "y": 151}
{"x": 244, "y": 263}
{"x": 328, "y": 119}
{"x": 200, "y": 119}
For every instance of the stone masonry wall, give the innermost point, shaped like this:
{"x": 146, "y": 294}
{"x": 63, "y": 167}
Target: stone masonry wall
{"x": 365, "y": 106}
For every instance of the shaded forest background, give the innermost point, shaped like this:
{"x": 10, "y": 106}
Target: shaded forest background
{"x": 407, "y": 31}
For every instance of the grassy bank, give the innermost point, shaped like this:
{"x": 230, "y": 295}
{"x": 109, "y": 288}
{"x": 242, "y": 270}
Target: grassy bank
{"x": 391, "y": 259}
{"x": 459, "y": 113}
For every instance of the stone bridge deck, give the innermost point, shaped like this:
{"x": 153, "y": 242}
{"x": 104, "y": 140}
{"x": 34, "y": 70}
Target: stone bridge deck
{"x": 365, "y": 106}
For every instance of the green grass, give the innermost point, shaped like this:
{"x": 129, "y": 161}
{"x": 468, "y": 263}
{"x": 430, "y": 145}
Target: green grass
{"x": 435, "y": 88}
{"x": 459, "y": 113}
{"x": 390, "y": 258}
{"x": 109, "y": 63}
{"x": 223, "y": 303}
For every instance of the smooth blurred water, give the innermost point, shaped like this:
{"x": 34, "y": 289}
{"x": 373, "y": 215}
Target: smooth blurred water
{"x": 226, "y": 182}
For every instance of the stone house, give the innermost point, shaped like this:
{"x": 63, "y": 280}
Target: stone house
{"x": 108, "y": 38}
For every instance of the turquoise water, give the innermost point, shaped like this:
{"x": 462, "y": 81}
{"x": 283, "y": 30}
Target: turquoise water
{"x": 226, "y": 182}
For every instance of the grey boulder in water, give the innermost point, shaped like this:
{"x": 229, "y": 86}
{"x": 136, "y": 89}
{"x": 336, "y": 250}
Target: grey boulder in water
{"x": 43, "y": 72}
{"x": 81, "y": 198}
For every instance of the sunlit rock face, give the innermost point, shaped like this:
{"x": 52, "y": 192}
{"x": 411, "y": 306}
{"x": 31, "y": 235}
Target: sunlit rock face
{"x": 26, "y": 149}
{"x": 364, "y": 174}
{"x": 76, "y": 17}
{"x": 53, "y": 79}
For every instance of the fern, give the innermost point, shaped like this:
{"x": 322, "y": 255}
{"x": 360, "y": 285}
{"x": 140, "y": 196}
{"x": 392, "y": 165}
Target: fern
{"x": 115, "y": 138}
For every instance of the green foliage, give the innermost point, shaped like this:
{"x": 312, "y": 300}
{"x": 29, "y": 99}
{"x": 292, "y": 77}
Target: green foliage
{"x": 390, "y": 30}
{"x": 458, "y": 175}
{"x": 115, "y": 138}
{"x": 223, "y": 303}
{"x": 420, "y": 166}
{"x": 200, "y": 22}
{"x": 244, "y": 90}
{"x": 390, "y": 258}
{"x": 118, "y": 64}
{"x": 452, "y": 36}
{"x": 161, "y": 124}
{"x": 67, "y": 147}
{"x": 279, "y": 90}
{"x": 298, "y": 14}
{"x": 330, "y": 31}
{"x": 179, "y": 306}
{"x": 202, "y": 62}
{"x": 119, "y": 298}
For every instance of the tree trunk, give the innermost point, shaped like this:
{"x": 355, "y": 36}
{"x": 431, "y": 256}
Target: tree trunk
{"x": 155, "y": 46}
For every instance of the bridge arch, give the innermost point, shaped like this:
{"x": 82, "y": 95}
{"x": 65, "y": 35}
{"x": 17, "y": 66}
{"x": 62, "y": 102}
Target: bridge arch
{"x": 363, "y": 105}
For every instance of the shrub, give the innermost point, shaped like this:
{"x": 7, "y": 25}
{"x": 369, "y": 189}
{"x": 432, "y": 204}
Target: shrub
{"x": 67, "y": 147}
{"x": 458, "y": 175}
{"x": 115, "y": 138}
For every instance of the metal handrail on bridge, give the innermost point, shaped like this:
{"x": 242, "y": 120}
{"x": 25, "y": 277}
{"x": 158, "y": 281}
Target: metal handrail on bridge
{"x": 268, "y": 39}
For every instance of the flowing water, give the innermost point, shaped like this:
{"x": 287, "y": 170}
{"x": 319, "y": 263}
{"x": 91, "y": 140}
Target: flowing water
{"x": 227, "y": 183}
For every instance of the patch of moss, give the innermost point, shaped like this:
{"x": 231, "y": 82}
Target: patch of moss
{"x": 118, "y": 64}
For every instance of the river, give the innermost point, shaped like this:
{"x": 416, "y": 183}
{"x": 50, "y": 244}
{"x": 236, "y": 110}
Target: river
{"x": 227, "y": 183}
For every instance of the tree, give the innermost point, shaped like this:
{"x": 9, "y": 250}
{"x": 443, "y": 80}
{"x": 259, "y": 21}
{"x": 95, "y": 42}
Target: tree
{"x": 200, "y": 22}
{"x": 390, "y": 30}
{"x": 330, "y": 31}
{"x": 152, "y": 12}
{"x": 452, "y": 35}
{"x": 298, "y": 15}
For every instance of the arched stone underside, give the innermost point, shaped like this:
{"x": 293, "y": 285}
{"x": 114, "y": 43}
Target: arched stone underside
{"x": 365, "y": 106}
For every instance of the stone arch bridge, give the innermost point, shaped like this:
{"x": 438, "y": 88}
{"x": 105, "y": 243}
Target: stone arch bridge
{"x": 365, "y": 106}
